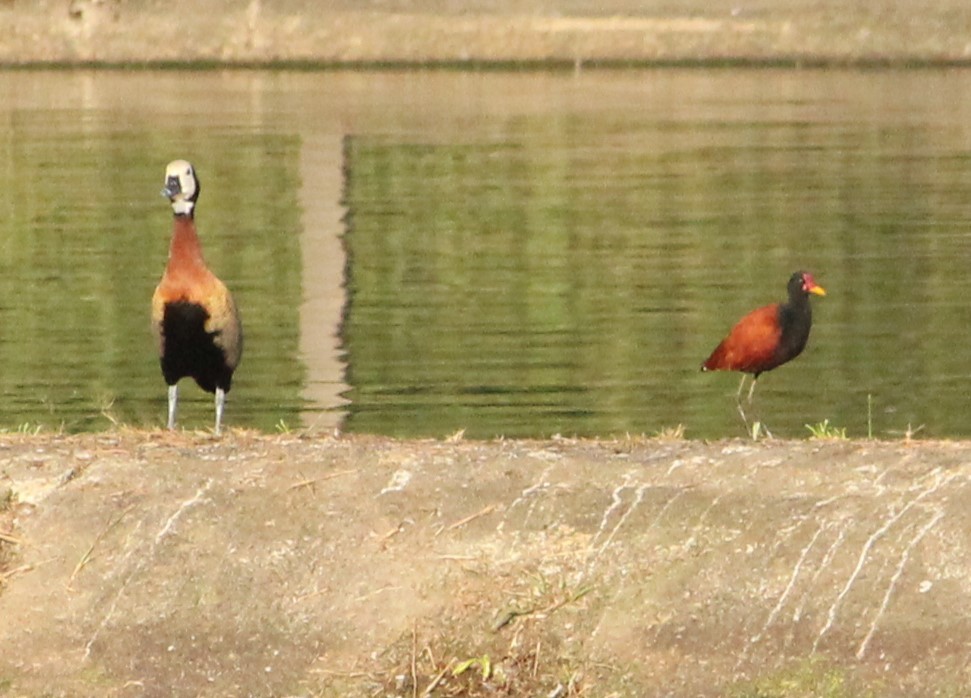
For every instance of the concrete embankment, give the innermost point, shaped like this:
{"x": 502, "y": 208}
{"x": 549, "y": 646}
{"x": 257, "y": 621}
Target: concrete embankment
{"x": 155, "y": 564}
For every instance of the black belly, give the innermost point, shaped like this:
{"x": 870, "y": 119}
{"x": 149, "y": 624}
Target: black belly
{"x": 188, "y": 350}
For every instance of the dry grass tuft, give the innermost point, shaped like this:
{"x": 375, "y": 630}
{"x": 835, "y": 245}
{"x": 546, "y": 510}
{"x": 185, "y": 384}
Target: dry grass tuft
{"x": 525, "y": 661}
{"x": 480, "y": 650}
{"x": 675, "y": 433}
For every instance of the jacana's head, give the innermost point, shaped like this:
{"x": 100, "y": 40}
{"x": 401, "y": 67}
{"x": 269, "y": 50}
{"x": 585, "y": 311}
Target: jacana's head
{"x": 802, "y": 284}
{"x": 181, "y": 187}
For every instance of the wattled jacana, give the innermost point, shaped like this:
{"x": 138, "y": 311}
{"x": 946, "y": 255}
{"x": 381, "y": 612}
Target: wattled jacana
{"x": 194, "y": 318}
{"x": 767, "y": 337}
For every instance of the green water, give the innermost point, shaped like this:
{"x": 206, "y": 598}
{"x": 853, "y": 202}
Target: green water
{"x": 526, "y": 254}
{"x": 568, "y": 273}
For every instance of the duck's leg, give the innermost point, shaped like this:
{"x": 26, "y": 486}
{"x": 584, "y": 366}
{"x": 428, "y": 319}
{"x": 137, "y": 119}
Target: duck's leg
{"x": 173, "y": 403}
{"x": 220, "y": 405}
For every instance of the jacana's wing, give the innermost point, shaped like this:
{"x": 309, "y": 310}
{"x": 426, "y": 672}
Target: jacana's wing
{"x": 751, "y": 345}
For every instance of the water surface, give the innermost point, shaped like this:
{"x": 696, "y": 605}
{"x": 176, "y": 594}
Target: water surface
{"x": 509, "y": 254}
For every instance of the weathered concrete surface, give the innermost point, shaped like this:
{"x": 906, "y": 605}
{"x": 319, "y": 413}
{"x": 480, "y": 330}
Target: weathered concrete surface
{"x": 147, "y": 564}
{"x": 423, "y": 31}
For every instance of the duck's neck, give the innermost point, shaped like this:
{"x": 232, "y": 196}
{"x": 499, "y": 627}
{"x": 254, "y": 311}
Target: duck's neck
{"x": 183, "y": 207}
{"x": 185, "y": 248}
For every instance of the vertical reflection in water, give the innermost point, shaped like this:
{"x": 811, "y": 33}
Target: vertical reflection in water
{"x": 321, "y": 189}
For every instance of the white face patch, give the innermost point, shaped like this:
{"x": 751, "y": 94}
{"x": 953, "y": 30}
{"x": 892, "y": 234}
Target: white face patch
{"x": 181, "y": 186}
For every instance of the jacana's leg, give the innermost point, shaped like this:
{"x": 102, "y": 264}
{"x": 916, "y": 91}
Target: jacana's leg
{"x": 759, "y": 424}
{"x": 220, "y": 404}
{"x": 173, "y": 403}
{"x": 738, "y": 402}
{"x": 738, "y": 393}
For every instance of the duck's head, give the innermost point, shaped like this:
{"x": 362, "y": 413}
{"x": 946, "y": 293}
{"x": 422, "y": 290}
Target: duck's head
{"x": 181, "y": 187}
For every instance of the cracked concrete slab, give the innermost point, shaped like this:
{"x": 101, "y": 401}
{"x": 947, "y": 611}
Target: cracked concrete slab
{"x": 275, "y": 565}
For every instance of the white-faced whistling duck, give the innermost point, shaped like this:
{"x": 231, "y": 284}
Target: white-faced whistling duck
{"x": 194, "y": 318}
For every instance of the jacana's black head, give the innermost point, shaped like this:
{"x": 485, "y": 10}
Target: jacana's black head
{"x": 801, "y": 284}
{"x": 181, "y": 187}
